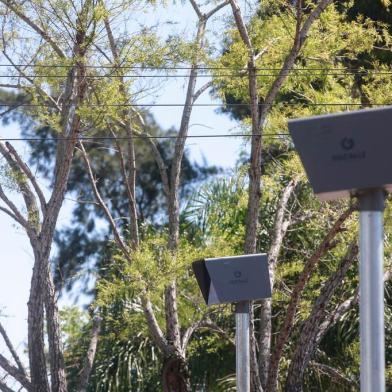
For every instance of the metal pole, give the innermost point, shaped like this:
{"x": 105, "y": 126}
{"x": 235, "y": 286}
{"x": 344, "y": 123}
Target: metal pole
{"x": 371, "y": 283}
{"x": 242, "y": 346}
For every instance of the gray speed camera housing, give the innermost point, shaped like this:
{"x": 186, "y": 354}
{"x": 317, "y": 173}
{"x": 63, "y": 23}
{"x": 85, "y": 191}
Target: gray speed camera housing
{"x": 233, "y": 279}
{"x": 346, "y": 152}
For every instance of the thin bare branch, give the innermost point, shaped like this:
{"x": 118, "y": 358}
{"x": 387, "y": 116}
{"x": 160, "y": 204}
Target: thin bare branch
{"x": 327, "y": 244}
{"x": 10, "y": 213}
{"x": 203, "y": 323}
{"x": 22, "y": 74}
{"x": 197, "y": 9}
{"x": 153, "y": 326}
{"x": 12, "y": 350}
{"x": 310, "y": 332}
{"x": 239, "y": 20}
{"x": 15, "y": 372}
{"x": 28, "y": 195}
{"x": 314, "y": 15}
{"x": 335, "y": 375}
{"x": 280, "y": 227}
{"x": 214, "y": 327}
{"x": 26, "y": 170}
{"x": 85, "y": 373}
{"x": 157, "y": 156}
{"x": 173, "y": 202}
{"x": 299, "y": 40}
{"x": 5, "y": 388}
{"x": 281, "y": 224}
{"x": 17, "y": 10}
{"x": 112, "y": 42}
{"x": 16, "y": 214}
{"x": 65, "y": 19}
{"x": 301, "y": 217}
{"x": 160, "y": 162}
{"x": 255, "y": 379}
{"x": 102, "y": 52}
{"x": 122, "y": 165}
{"x": 131, "y": 183}
{"x": 186, "y": 336}
{"x": 216, "y": 9}
{"x": 201, "y": 90}
{"x": 343, "y": 308}
{"x": 10, "y": 109}
{"x": 130, "y": 176}
{"x": 40, "y": 91}
{"x": 263, "y": 51}
{"x": 103, "y": 205}
{"x": 6, "y": 85}
{"x": 205, "y": 16}
{"x": 337, "y": 314}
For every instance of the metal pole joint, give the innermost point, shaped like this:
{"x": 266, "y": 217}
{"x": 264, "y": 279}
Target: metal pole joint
{"x": 371, "y": 199}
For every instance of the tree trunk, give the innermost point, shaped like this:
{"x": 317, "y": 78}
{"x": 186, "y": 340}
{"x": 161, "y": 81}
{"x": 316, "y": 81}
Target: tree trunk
{"x": 175, "y": 375}
{"x": 42, "y": 296}
{"x": 264, "y": 340}
{"x": 57, "y": 367}
{"x": 35, "y": 317}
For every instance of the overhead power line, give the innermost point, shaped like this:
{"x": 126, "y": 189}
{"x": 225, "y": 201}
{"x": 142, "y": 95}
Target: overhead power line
{"x": 203, "y": 75}
{"x": 140, "y": 136}
{"x": 16, "y": 106}
{"x": 201, "y": 68}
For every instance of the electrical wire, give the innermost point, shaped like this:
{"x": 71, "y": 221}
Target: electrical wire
{"x": 233, "y": 75}
{"x": 202, "y": 68}
{"x": 147, "y": 105}
{"x": 33, "y": 105}
{"x": 139, "y": 136}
